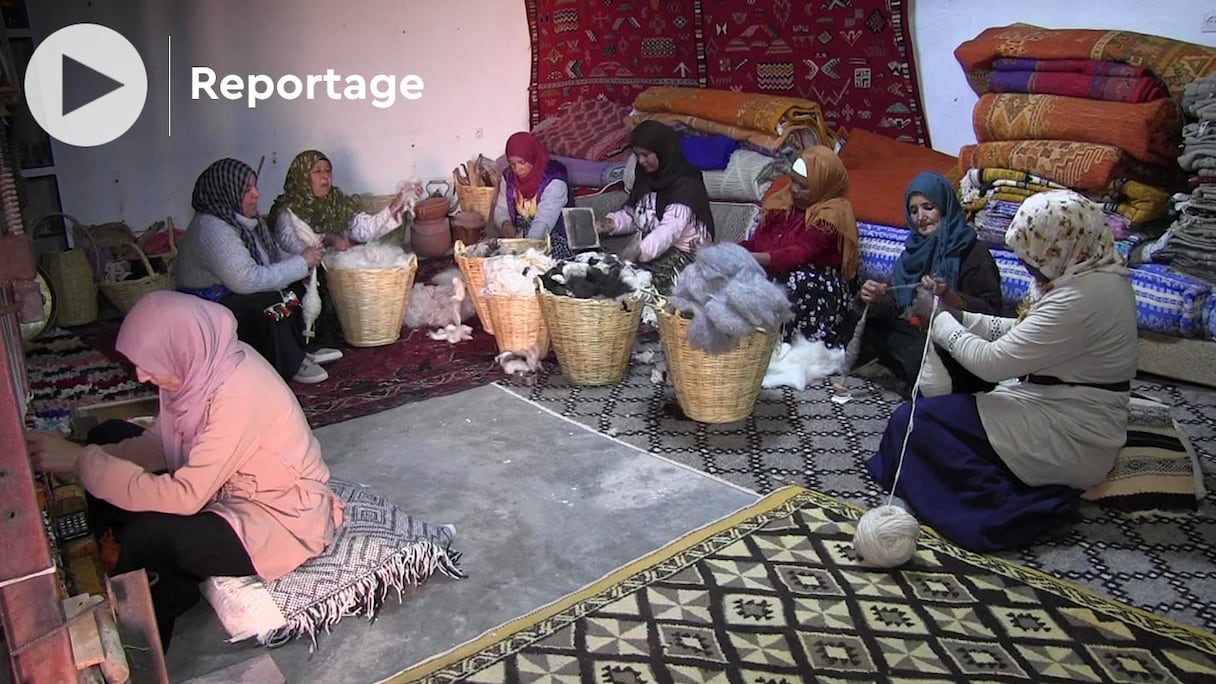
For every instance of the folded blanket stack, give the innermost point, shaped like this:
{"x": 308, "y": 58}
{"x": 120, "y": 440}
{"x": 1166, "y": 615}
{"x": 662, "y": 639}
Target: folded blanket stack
{"x": 1189, "y": 246}
{"x": 1094, "y": 111}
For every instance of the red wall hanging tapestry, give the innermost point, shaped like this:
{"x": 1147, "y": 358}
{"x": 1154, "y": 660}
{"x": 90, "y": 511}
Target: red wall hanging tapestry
{"x": 853, "y": 57}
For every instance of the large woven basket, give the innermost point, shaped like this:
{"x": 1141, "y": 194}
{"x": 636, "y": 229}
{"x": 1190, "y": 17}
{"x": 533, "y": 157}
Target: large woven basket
{"x": 478, "y": 198}
{"x": 714, "y": 388}
{"x": 475, "y": 277}
{"x": 518, "y": 324}
{"x": 71, "y": 276}
{"x": 124, "y": 294}
{"x": 370, "y": 302}
{"x": 592, "y": 338}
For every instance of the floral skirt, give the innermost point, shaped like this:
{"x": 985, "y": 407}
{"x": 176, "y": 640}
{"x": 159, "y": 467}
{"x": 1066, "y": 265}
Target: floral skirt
{"x": 820, "y": 297}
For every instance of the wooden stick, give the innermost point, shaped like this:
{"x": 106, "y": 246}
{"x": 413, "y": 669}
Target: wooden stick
{"x": 115, "y": 667}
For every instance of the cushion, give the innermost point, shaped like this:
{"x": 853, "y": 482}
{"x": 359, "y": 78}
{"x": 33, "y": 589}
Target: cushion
{"x": 746, "y": 178}
{"x": 378, "y": 548}
{"x": 1166, "y": 302}
{"x": 1157, "y": 470}
{"x": 880, "y": 169}
{"x": 587, "y": 129}
{"x": 1209, "y": 317}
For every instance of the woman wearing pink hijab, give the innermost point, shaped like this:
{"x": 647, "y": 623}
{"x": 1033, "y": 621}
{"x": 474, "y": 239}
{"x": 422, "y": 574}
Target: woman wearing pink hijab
{"x": 229, "y": 480}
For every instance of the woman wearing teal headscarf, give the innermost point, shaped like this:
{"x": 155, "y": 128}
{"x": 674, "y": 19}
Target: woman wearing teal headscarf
{"x": 941, "y": 253}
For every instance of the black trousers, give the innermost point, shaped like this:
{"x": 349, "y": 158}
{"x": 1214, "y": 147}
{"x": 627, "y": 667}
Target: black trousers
{"x": 177, "y": 551}
{"x": 281, "y": 342}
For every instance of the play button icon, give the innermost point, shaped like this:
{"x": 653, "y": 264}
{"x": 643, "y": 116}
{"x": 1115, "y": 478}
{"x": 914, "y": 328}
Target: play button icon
{"x": 83, "y": 84}
{"x": 86, "y": 85}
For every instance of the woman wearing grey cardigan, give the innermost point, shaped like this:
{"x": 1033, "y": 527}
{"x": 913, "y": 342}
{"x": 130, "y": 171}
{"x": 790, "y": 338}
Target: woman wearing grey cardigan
{"x": 228, "y": 256}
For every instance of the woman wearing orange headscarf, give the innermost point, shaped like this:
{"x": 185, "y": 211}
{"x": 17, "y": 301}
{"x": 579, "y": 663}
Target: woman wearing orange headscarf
{"x": 807, "y": 240}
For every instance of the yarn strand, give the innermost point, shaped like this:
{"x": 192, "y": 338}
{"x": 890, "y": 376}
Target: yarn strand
{"x": 912, "y": 413}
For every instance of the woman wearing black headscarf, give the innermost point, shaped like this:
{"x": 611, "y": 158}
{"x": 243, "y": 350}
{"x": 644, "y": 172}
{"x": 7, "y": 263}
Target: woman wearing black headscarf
{"x": 228, "y": 256}
{"x": 668, "y": 206}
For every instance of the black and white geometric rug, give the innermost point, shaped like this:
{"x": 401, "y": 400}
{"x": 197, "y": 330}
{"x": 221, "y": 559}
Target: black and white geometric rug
{"x": 1165, "y": 564}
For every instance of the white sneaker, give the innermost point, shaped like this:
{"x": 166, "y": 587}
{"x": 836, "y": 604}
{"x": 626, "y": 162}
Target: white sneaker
{"x": 323, "y": 355}
{"x": 310, "y": 373}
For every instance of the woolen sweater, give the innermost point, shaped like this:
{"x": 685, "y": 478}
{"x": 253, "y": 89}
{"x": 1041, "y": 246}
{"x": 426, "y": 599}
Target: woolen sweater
{"x": 212, "y": 252}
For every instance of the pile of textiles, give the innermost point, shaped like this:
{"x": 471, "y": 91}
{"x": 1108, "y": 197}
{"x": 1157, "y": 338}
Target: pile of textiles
{"x": 770, "y": 124}
{"x": 1094, "y": 111}
{"x": 1189, "y": 245}
{"x": 590, "y": 138}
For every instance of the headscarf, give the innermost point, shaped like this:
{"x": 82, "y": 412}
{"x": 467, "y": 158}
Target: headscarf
{"x": 1063, "y": 235}
{"x": 828, "y": 183}
{"x": 177, "y": 335}
{"x": 676, "y": 181}
{"x": 329, "y": 214}
{"x": 219, "y": 191}
{"x": 525, "y": 146}
{"x": 940, "y": 254}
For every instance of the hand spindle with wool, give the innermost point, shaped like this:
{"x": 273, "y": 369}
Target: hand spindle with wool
{"x": 311, "y": 304}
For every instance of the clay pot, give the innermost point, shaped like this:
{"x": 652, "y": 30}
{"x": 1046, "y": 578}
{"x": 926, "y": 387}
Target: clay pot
{"x": 431, "y": 209}
{"x": 431, "y": 238}
{"x": 468, "y": 227}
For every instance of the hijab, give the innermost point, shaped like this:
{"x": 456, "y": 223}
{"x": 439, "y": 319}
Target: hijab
{"x": 939, "y": 255}
{"x": 329, "y": 214}
{"x": 525, "y": 146}
{"x": 219, "y": 191}
{"x": 171, "y": 334}
{"x": 1063, "y": 235}
{"x": 828, "y": 183}
{"x": 676, "y": 181}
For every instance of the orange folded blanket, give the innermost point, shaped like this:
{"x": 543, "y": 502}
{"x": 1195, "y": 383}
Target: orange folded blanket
{"x": 1082, "y": 166}
{"x": 1150, "y": 131}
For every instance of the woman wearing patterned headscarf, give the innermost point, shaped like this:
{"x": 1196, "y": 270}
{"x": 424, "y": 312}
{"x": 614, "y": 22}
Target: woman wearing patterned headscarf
{"x": 942, "y": 253}
{"x": 309, "y": 193}
{"x": 807, "y": 241}
{"x": 228, "y": 256}
{"x": 996, "y": 470}
{"x": 532, "y": 194}
{"x": 668, "y": 206}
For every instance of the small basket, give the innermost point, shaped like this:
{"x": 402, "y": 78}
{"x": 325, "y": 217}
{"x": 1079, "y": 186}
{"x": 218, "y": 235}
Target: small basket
{"x": 125, "y": 293}
{"x": 370, "y": 302}
{"x": 518, "y": 323}
{"x": 478, "y": 198}
{"x": 592, "y": 338}
{"x": 715, "y": 388}
{"x": 72, "y": 277}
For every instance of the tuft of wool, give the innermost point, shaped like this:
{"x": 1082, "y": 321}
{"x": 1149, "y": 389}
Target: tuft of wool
{"x": 514, "y": 275}
{"x": 595, "y": 275}
{"x": 370, "y": 255}
{"x": 729, "y": 297}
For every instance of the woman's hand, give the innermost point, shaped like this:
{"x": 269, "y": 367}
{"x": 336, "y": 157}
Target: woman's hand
{"x": 51, "y": 453}
{"x": 312, "y": 256}
{"x": 397, "y": 206}
{"x": 872, "y": 290}
{"x": 604, "y": 225}
{"x": 338, "y": 243}
{"x": 507, "y": 229}
{"x": 631, "y": 253}
{"x": 949, "y": 298}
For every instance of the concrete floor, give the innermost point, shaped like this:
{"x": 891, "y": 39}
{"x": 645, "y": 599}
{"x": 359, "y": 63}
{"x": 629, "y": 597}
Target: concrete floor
{"x": 542, "y": 507}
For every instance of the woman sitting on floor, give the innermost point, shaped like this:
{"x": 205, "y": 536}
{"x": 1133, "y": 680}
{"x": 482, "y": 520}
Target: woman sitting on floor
{"x": 228, "y": 256}
{"x": 309, "y": 193}
{"x": 943, "y": 252}
{"x": 229, "y": 481}
{"x": 532, "y": 194}
{"x": 668, "y": 206}
{"x": 807, "y": 241}
{"x": 997, "y": 470}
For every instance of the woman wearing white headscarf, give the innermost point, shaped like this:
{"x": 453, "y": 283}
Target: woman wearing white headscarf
{"x": 997, "y": 470}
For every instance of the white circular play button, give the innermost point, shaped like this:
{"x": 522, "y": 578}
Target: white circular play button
{"x": 86, "y": 84}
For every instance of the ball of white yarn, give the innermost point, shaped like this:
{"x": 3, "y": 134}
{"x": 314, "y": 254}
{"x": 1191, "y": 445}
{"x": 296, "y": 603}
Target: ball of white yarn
{"x": 886, "y": 537}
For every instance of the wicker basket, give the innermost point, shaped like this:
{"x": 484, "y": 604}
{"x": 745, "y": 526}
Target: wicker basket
{"x": 714, "y": 388}
{"x": 71, "y": 276}
{"x": 124, "y": 294}
{"x": 518, "y": 324}
{"x": 475, "y": 277}
{"x": 592, "y": 338}
{"x": 478, "y": 198}
{"x": 370, "y": 302}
